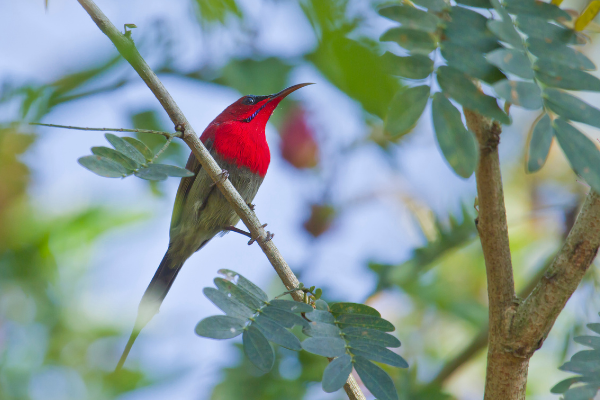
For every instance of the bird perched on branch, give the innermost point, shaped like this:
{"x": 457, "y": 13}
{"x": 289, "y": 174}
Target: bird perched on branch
{"x": 236, "y": 140}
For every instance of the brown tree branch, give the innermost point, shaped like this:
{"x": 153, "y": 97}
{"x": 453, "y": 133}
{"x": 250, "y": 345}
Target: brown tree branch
{"x": 126, "y": 47}
{"x": 536, "y": 315}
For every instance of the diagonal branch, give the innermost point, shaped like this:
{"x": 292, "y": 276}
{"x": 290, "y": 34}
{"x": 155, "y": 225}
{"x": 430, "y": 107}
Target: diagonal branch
{"x": 536, "y": 315}
{"x": 126, "y": 47}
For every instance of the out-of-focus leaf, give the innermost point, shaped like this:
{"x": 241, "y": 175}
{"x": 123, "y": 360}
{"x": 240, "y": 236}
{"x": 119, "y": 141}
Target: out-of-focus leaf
{"x": 468, "y": 28}
{"x": 506, "y": 32}
{"x": 336, "y": 374}
{"x": 354, "y": 333}
{"x": 524, "y": 94}
{"x": 587, "y": 15}
{"x": 228, "y": 305}
{"x": 412, "y": 67}
{"x": 537, "y": 8}
{"x": 411, "y": 39}
{"x": 405, "y": 110}
{"x": 320, "y": 316}
{"x": 325, "y": 346}
{"x": 559, "y": 54}
{"x": 244, "y": 283}
{"x": 565, "y": 77}
{"x": 580, "y": 367}
{"x": 564, "y": 385}
{"x": 127, "y": 149}
{"x": 321, "y": 305}
{"x": 220, "y": 327}
{"x": 291, "y": 306}
{"x": 258, "y": 349}
{"x": 456, "y": 142}
{"x": 457, "y": 85}
{"x": 320, "y": 220}
{"x": 539, "y": 28}
{"x": 283, "y": 317}
{"x": 595, "y": 327}
{"x": 151, "y": 174}
{"x": 375, "y": 379}
{"x": 571, "y": 108}
{"x": 513, "y": 61}
{"x": 353, "y": 308}
{"x": 363, "y": 321}
{"x": 471, "y": 62}
{"x": 581, "y": 152}
{"x": 539, "y": 145}
{"x": 585, "y": 392}
{"x": 140, "y": 146}
{"x": 149, "y": 120}
{"x": 475, "y": 3}
{"x": 276, "y": 333}
{"x": 103, "y": 166}
{"x": 116, "y": 156}
{"x": 590, "y": 341}
{"x": 211, "y": 11}
{"x": 433, "y": 5}
{"x": 238, "y": 293}
{"x": 321, "y": 329}
{"x": 377, "y": 353}
{"x": 411, "y": 17}
{"x": 249, "y": 76}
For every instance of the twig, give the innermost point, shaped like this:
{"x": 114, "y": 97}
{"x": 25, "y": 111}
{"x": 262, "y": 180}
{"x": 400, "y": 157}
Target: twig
{"x": 162, "y": 150}
{"x": 80, "y": 128}
{"x": 128, "y": 50}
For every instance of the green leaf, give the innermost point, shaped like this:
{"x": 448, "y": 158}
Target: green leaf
{"x": 171, "y": 170}
{"x": 364, "y": 321}
{"x": 468, "y": 28}
{"x": 580, "y": 367}
{"x": 336, "y": 373}
{"x": 325, "y": 346}
{"x": 238, "y": 293}
{"x": 586, "y": 392}
{"x": 411, "y": 17}
{"x": 353, "y": 308}
{"x": 284, "y": 318}
{"x": 571, "y": 108}
{"x": 228, "y": 305}
{"x": 321, "y": 329}
{"x": 412, "y": 67}
{"x": 150, "y": 174}
{"x": 140, "y": 146}
{"x": 512, "y": 61}
{"x": 126, "y": 148}
{"x": 565, "y": 77}
{"x": 405, "y": 110}
{"x": 470, "y": 62}
{"x": 355, "y": 333}
{"x": 456, "y": 142}
{"x": 564, "y": 385}
{"x": 595, "y": 327}
{"x": 244, "y": 283}
{"x": 538, "y": 8}
{"x": 524, "y": 94}
{"x": 103, "y": 166}
{"x": 589, "y": 341}
{"x": 539, "y": 145}
{"x": 457, "y": 85}
{"x": 586, "y": 355}
{"x": 257, "y": 349}
{"x": 116, "y": 156}
{"x": 291, "y": 306}
{"x": 377, "y": 353}
{"x": 320, "y": 316}
{"x": 539, "y": 28}
{"x": 411, "y": 39}
{"x": 581, "y": 152}
{"x": 276, "y": 333}
{"x": 559, "y": 54}
{"x": 475, "y": 3}
{"x": 220, "y": 327}
{"x": 433, "y": 5}
{"x": 506, "y": 32}
{"x": 375, "y": 379}
{"x": 321, "y": 305}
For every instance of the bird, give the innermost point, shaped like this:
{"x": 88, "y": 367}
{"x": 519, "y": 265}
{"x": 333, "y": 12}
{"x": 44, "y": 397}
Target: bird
{"x": 236, "y": 140}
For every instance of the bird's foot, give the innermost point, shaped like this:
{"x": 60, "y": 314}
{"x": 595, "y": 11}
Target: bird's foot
{"x": 251, "y": 206}
{"x": 222, "y": 177}
{"x": 240, "y": 231}
{"x": 267, "y": 238}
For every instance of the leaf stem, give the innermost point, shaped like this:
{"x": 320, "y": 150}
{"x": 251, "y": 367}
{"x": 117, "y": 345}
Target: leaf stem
{"x": 168, "y": 135}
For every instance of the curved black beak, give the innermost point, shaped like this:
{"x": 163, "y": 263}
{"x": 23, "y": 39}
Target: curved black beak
{"x": 289, "y": 90}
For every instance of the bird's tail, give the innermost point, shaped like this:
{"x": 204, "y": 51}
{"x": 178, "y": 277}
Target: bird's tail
{"x": 153, "y": 297}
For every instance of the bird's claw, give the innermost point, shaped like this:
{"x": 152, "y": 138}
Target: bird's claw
{"x": 267, "y": 238}
{"x": 222, "y": 177}
{"x": 251, "y": 206}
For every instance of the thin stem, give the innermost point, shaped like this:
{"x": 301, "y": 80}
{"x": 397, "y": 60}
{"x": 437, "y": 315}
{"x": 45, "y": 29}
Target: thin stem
{"x": 169, "y": 140}
{"x": 81, "y": 128}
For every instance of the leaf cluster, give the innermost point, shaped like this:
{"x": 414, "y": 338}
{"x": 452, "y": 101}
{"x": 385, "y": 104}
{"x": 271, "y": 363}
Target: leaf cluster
{"x": 351, "y": 334}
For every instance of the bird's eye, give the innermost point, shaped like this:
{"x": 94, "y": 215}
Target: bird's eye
{"x": 249, "y": 100}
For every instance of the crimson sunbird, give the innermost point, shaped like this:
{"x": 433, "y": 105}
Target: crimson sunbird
{"x": 236, "y": 140}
